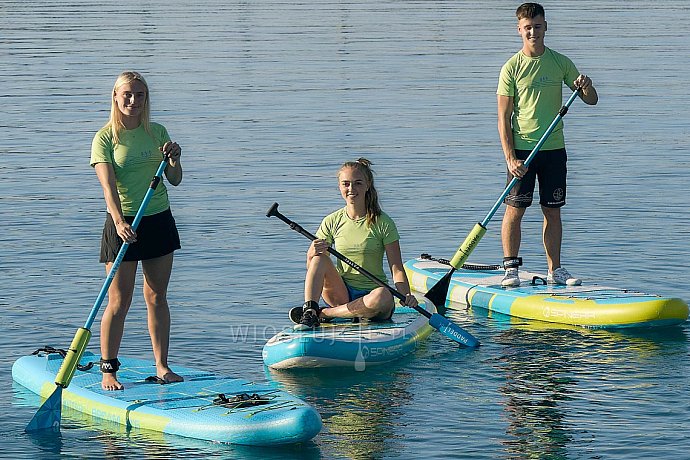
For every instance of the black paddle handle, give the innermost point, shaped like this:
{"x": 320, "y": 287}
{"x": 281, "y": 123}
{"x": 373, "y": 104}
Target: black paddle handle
{"x": 273, "y": 212}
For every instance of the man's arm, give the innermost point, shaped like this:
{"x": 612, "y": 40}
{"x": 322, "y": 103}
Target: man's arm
{"x": 505, "y": 133}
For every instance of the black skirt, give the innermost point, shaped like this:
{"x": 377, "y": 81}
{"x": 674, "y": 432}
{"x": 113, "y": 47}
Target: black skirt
{"x": 156, "y": 236}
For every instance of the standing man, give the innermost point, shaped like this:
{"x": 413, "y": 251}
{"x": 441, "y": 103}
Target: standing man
{"x": 529, "y": 97}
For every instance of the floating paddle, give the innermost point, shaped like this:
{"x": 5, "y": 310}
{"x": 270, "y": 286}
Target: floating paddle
{"x": 48, "y": 415}
{"x": 439, "y": 322}
{"x": 438, "y": 293}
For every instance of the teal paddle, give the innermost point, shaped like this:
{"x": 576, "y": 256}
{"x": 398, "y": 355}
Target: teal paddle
{"x": 438, "y": 293}
{"x": 49, "y": 414}
{"x": 438, "y": 322}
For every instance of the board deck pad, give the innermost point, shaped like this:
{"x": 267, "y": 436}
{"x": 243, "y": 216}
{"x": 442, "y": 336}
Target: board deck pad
{"x": 183, "y": 408}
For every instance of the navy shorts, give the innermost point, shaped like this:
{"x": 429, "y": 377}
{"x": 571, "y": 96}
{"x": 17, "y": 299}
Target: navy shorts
{"x": 355, "y": 293}
{"x": 549, "y": 168}
{"x": 156, "y": 236}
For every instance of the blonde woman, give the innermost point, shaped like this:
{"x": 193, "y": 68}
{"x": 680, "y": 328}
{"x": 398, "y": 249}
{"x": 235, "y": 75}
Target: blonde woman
{"x": 364, "y": 233}
{"x": 125, "y": 154}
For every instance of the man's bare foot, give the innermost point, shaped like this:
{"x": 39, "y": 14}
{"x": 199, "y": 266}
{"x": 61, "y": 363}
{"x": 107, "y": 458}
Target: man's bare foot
{"x": 168, "y": 376}
{"x": 110, "y": 383}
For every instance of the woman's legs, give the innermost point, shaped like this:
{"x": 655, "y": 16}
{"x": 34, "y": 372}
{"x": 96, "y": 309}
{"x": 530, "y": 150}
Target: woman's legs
{"x": 323, "y": 280}
{"x": 156, "y": 277}
{"x": 113, "y": 321}
{"x": 378, "y": 304}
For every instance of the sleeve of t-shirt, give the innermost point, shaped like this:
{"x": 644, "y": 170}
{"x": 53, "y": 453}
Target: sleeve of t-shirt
{"x": 325, "y": 232}
{"x": 571, "y": 72}
{"x": 389, "y": 231}
{"x": 506, "y": 84}
{"x": 161, "y": 133}
{"x": 101, "y": 148}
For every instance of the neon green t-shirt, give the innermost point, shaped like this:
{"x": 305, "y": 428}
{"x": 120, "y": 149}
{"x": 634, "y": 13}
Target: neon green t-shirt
{"x": 360, "y": 243}
{"x": 536, "y": 86}
{"x": 135, "y": 161}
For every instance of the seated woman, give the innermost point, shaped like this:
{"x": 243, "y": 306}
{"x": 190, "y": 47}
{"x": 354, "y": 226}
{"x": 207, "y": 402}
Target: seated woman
{"x": 362, "y": 232}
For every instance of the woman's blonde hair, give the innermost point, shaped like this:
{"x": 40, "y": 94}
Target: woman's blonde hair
{"x": 371, "y": 198}
{"x": 115, "y": 122}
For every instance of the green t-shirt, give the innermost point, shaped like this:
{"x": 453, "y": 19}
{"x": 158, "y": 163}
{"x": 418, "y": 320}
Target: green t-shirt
{"x": 360, "y": 243}
{"x": 135, "y": 161}
{"x": 536, "y": 85}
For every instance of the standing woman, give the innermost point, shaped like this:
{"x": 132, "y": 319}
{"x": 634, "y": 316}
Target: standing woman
{"x": 363, "y": 233}
{"x": 125, "y": 154}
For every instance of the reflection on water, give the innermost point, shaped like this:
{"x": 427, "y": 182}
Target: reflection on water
{"x": 360, "y": 411}
{"x": 550, "y": 371}
{"x": 535, "y": 385}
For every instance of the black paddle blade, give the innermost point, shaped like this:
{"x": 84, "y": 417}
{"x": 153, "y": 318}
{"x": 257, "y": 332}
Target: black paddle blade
{"x": 439, "y": 291}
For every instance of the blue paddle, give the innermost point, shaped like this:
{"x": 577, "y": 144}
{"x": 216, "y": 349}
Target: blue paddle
{"x": 49, "y": 414}
{"x": 438, "y": 322}
{"x": 438, "y": 293}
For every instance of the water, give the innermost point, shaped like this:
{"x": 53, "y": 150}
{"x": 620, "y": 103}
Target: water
{"x": 267, "y": 99}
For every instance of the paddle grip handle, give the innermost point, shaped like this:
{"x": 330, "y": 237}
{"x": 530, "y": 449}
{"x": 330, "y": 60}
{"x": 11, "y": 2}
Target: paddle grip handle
{"x": 467, "y": 246}
{"x": 74, "y": 354}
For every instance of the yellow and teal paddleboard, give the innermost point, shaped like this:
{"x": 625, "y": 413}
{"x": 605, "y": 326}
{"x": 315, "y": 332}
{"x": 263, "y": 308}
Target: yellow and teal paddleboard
{"x": 589, "y": 305}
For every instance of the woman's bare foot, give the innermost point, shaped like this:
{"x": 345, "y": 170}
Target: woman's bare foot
{"x": 168, "y": 376}
{"x": 110, "y": 383}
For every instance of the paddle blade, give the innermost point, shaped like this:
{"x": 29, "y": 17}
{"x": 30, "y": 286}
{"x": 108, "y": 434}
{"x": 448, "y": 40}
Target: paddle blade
{"x": 48, "y": 415}
{"x": 453, "y": 331}
{"x": 439, "y": 291}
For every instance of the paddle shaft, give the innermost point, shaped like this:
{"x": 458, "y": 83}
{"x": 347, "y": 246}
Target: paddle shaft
{"x": 533, "y": 153}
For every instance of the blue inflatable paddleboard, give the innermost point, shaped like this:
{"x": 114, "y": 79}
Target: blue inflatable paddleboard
{"x": 204, "y": 406}
{"x": 343, "y": 343}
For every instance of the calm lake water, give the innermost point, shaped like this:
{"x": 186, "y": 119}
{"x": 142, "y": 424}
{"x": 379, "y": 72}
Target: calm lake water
{"x": 267, "y": 99}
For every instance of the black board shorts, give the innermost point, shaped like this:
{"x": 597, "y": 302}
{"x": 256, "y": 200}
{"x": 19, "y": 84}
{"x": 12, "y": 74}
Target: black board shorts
{"x": 156, "y": 236}
{"x": 549, "y": 168}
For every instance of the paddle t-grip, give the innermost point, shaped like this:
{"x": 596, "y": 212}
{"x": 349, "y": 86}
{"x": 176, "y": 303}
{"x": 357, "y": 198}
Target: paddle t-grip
{"x": 467, "y": 246}
{"x": 273, "y": 212}
{"x": 74, "y": 354}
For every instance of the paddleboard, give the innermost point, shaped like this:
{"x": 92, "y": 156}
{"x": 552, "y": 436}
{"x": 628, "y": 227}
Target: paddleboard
{"x": 247, "y": 413}
{"x": 346, "y": 344}
{"x": 589, "y": 305}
